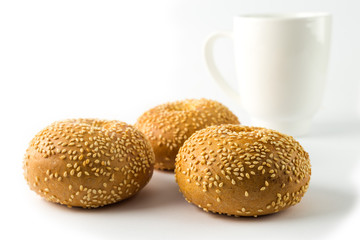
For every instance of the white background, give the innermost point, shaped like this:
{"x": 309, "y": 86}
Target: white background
{"x": 116, "y": 59}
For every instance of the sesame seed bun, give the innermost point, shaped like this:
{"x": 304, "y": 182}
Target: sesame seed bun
{"x": 88, "y": 163}
{"x": 242, "y": 171}
{"x": 167, "y": 126}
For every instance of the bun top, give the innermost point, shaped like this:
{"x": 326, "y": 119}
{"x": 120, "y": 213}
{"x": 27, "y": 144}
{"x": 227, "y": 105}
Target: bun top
{"x": 77, "y": 139}
{"x": 177, "y": 121}
{"x": 251, "y": 147}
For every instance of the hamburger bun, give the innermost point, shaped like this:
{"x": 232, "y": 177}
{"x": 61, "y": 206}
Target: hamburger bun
{"x": 242, "y": 171}
{"x": 88, "y": 163}
{"x": 167, "y": 126}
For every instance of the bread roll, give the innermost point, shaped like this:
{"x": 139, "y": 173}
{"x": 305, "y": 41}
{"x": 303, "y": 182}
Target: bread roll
{"x": 242, "y": 171}
{"x": 88, "y": 163}
{"x": 167, "y": 126}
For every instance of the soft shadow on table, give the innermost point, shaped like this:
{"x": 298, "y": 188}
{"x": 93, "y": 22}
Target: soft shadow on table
{"x": 321, "y": 210}
{"x": 318, "y": 203}
{"x": 324, "y": 203}
{"x": 161, "y": 192}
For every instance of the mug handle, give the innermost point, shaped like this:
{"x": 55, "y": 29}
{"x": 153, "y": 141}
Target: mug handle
{"x": 211, "y": 66}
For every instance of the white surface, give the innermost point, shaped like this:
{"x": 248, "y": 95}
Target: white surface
{"x": 115, "y": 59}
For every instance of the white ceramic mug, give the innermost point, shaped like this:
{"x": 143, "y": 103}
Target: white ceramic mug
{"x": 281, "y": 63}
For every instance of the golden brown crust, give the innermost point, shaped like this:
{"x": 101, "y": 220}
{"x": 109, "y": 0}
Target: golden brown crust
{"x": 88, "y": 163}
{"x": 242, "y": 171}
{"x": 167, "y": 126}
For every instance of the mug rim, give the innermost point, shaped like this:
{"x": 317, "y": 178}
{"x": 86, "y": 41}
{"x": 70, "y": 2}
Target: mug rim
{"x": 270, "y": 16}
